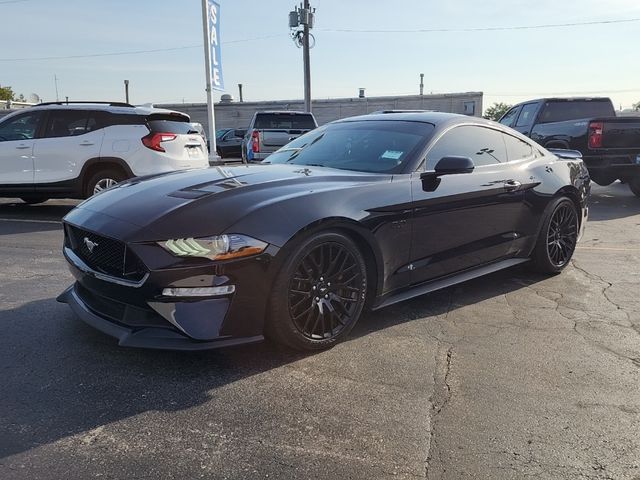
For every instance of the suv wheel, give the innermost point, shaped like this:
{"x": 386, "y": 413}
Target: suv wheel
{"x": 103, "y": 180}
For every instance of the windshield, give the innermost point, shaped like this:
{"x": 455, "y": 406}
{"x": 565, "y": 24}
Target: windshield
{"x": 381, "y": 146}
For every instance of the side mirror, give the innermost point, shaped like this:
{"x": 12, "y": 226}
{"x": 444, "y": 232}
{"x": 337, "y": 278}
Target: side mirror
{"x": 445, "y": 166}
{"x": 452, "y": 165}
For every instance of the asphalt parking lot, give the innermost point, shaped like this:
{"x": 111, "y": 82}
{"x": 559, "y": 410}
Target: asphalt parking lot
{"x": 510, "y": 376}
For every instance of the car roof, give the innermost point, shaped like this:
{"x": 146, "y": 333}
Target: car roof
{"x": 435, "y": 118}
{"x": 115, "y": 108}
{"x": 565, "y": 99}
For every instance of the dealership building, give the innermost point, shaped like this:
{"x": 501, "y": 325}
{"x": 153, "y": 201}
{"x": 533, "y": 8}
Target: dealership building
{"x": 233, "y": 114}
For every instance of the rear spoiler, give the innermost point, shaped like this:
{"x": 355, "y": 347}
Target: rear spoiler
{"x": 566, "y": 154}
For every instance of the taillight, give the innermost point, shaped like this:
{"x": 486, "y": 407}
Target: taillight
{"x": 595, "y": 134}
{"x": 255, "y": 141}
{"x": 153, "y": 140}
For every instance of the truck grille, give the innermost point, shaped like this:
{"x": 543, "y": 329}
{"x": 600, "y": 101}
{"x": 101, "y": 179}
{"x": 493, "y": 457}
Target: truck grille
{"x": 104, "y": 254}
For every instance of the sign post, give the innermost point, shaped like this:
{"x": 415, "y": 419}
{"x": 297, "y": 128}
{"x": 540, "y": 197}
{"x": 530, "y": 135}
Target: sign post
{"x": 213, "y": 66}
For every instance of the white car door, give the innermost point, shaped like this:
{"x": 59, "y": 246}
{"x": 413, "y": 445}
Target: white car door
{"x": 69, "y": 139}
{"x": 17, "y": 135}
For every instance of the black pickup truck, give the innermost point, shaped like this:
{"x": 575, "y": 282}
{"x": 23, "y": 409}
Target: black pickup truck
{"x": 610, "y": 145}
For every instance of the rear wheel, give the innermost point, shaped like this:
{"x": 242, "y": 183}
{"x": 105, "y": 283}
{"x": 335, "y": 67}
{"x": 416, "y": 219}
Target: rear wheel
{"x": 34, "y": 200}
{"x": 558, "y": 237}
{"x": 102, "y": 180}
{"x": 319, "y": 293}
{"x": 634, "y": 185}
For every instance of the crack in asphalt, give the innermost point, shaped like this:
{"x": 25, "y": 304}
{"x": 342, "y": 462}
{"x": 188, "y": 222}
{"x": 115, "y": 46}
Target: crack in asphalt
{"x": 441, "y": 396}
{"x": 561, "y": 304}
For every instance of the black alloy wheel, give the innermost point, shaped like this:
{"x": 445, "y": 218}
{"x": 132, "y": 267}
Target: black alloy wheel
{"x": 562, "y": 234}
{"x": 558, "y": 237}
{"x": 324, "y": 285}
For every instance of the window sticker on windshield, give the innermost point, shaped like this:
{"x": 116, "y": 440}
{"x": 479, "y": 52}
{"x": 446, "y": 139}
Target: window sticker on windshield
{"x": 392, "y": 154}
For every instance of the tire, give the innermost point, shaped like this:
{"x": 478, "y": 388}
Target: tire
{"x": 34, "y": 200}
{"x": 102, "y": 180}
{"x": 634, "y": 185}
{"x": 557, "y": 238}
{"x": 603, "y": 179}
{"x": 318, "y": 294}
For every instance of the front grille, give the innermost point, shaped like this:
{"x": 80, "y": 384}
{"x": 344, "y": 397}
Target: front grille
{"x": 104, "y": 254}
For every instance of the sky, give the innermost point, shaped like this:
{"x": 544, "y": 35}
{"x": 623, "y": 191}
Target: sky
{"x": 507, "y": 65}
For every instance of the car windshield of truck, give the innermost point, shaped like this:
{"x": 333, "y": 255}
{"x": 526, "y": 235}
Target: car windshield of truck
{"x": 563, "y": 111}
{"x": 284, "y": 121}
{"x": 366, "y": 146}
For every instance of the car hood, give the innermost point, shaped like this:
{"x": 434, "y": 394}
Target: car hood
{"x": 203, "y": 202}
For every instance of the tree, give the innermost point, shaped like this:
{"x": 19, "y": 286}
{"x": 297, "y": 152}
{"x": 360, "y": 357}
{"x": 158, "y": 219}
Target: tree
{"x": 6, "y": 93}
{"x": 495, "y": 111}
{"x": 636, "y": 107}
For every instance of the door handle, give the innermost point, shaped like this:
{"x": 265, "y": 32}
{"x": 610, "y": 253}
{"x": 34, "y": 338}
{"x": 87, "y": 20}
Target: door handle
{"x": 512, "y": 185}
{"x": 86, "y": 144}
{"x": 23, "y": 147}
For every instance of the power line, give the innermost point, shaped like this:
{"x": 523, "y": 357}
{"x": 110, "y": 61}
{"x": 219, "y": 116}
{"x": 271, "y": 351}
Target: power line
{"x": 485, "y": 29}
{"x": 135, "y": 52}
{"x": 12, "y": 1}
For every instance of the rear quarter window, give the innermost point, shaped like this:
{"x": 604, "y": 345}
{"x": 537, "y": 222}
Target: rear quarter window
{"x": 284, "y": 121}
{"x": 573, "y": 110}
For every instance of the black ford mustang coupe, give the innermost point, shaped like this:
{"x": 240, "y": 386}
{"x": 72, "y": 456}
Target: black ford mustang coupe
{"x": 360, "y": 213}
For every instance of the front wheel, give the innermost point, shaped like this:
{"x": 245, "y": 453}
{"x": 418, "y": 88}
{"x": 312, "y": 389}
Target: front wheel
{"x": 102, "y": 180}
{"x": 319, "y": 293}
{"x": 634, "y": 185}
{"x": 558, "y": 237}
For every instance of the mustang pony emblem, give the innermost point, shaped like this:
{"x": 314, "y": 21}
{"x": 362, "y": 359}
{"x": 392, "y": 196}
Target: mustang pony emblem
{"x": 89, "y": 244}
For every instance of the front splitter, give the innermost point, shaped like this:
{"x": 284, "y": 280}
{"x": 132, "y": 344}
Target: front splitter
{"x": 148, "y": 337}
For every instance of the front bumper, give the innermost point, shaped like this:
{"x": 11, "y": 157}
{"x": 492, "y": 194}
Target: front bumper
{"x": 620, "y": 165}
{"x": 138, "y": 314}
{"x": 143, "y": 337}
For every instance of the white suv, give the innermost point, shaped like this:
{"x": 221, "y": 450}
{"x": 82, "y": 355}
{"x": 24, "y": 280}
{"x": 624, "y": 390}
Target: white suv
{"x": 73, "y": 150}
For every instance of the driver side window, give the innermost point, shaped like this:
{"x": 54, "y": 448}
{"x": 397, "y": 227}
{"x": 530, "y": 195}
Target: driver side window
{"x": 20, "y": 127}
{"x": 484, "y": 146}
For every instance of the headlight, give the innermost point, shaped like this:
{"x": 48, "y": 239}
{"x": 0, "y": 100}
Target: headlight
{"x": 220, "y": 247}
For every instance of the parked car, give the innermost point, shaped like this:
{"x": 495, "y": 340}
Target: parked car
{"x": 268, "y": 131}
{"x": 197, "y": 127}
{"x": 360, "y": 213}
{"x": 74, "y": 150}
{"x": 229, "y": 142}
{"x": 610, "y": 145}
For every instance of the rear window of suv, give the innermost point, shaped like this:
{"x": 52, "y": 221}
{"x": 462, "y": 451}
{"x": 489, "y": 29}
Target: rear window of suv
{"x": 285, "y": 121}
{"x": 171, "y": 126}
{"x": 555, "y": 111}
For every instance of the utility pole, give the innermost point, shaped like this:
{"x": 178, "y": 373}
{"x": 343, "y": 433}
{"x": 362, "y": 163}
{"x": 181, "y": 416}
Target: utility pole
{"x": 126, "y": 91}
{"x": 421, "y": 83}
{"x": 306, "y": 58}
{"x": 304, "y": 17}
{"x": 55, "y": 80}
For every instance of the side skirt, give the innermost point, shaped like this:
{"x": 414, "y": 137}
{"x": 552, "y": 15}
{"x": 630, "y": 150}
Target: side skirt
{"x": 439, "y": 284}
